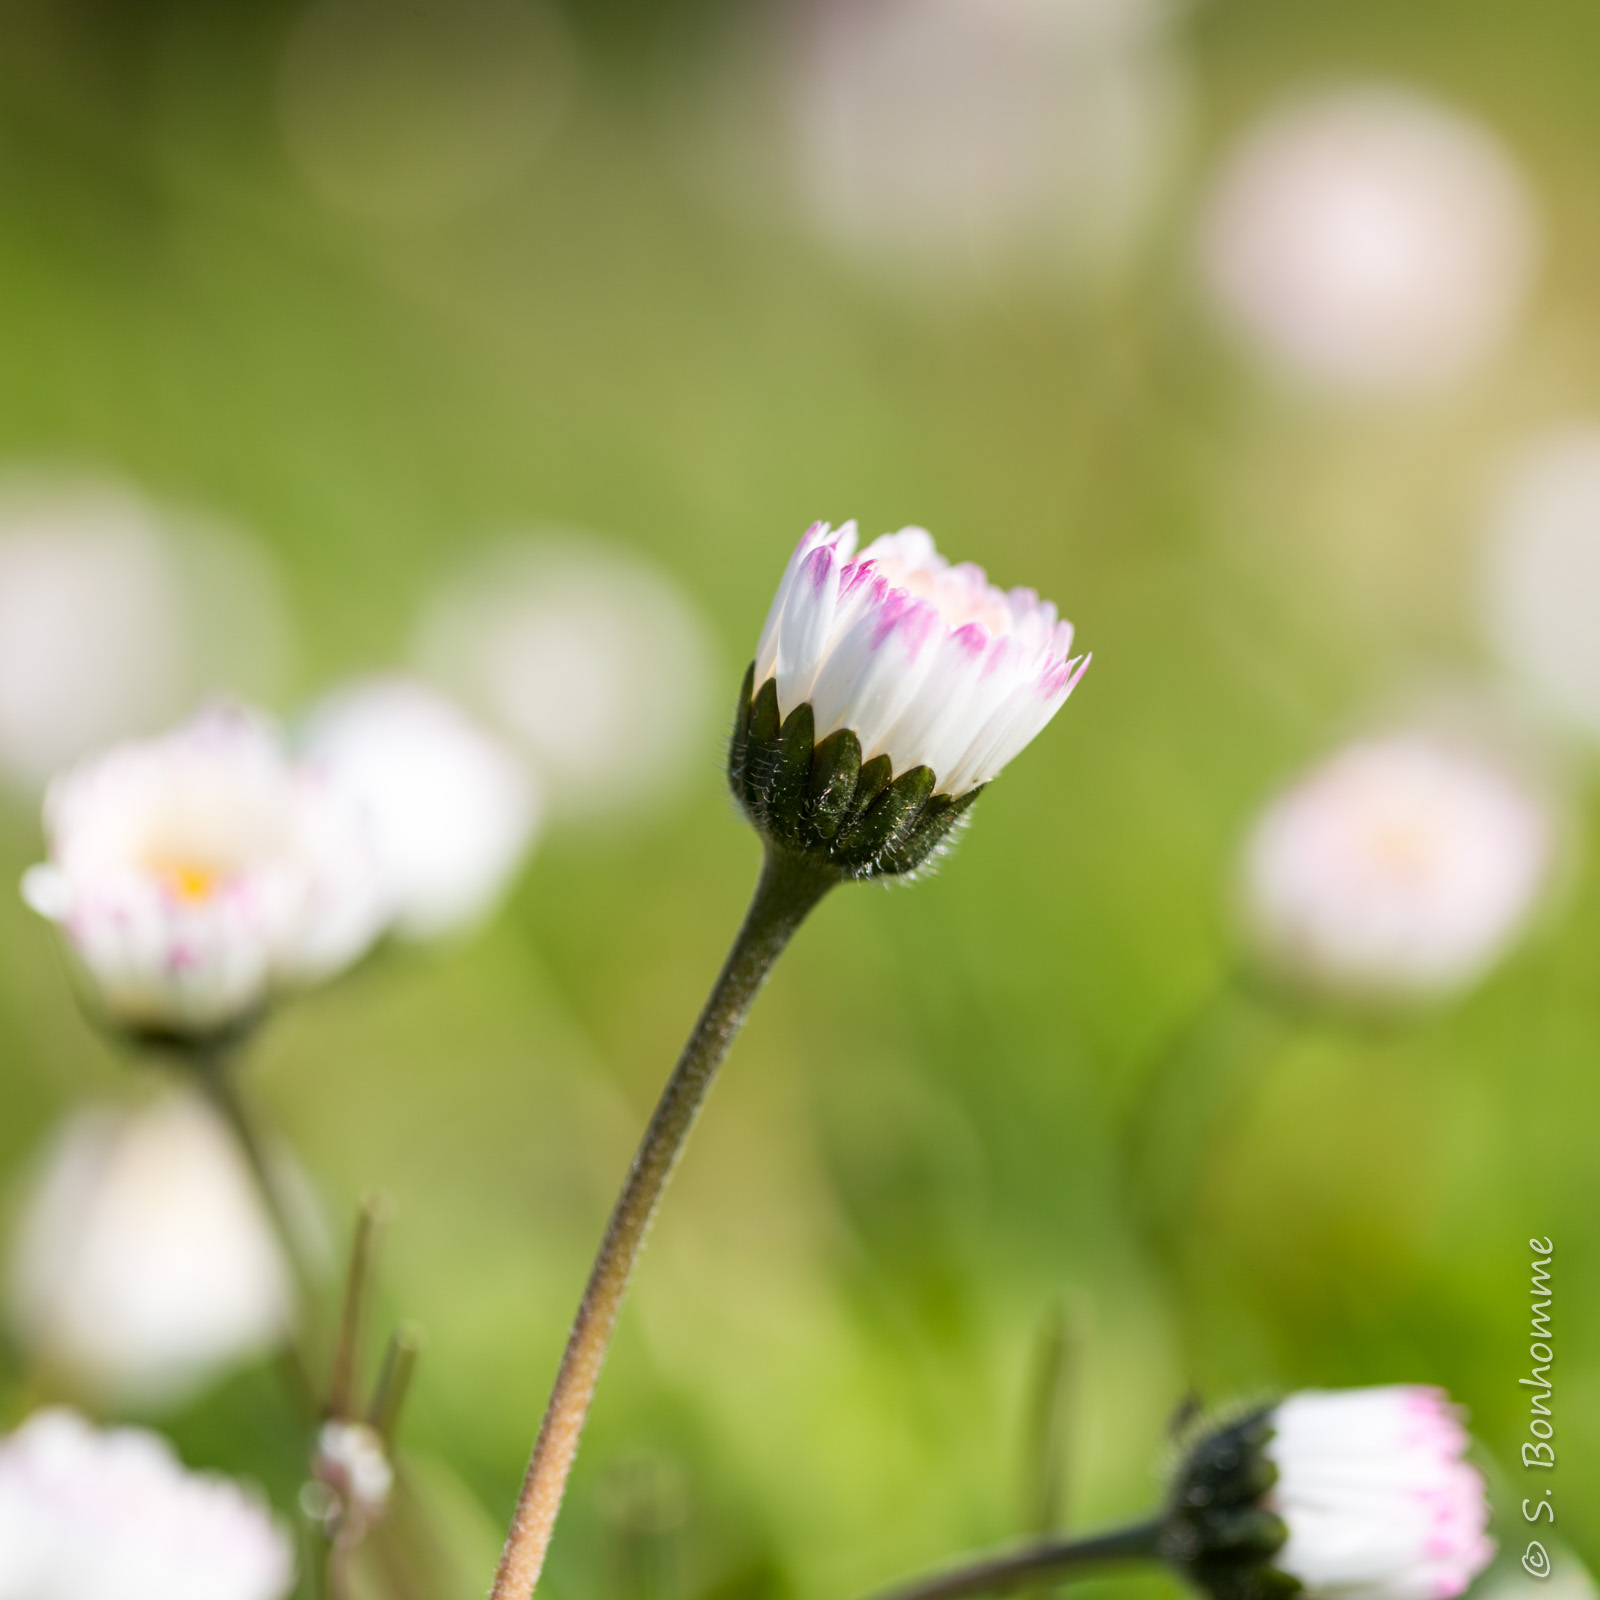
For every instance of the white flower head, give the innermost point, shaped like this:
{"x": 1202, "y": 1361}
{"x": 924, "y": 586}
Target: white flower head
{"x": 452, "y": 808}
{"x": 588, "y": 655}
{"x": 84, "y": 1512}
{"x": 914, "y": 681}
{"x": 197, "y": 874}
{"x": 1402, "y": 866}
{"x": 143, "y": 1261}
{"x": 948, "y": 138}
{"x": 1348, "y": 1494}
{"x": 1378, "y": 1499}
{"x": 926, "y": 663}
{"x": 1370, "y": 241}
{"x": 113, "y": 610}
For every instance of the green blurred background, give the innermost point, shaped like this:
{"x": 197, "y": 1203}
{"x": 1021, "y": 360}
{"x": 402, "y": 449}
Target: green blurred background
{"x": 822, "y": 1380}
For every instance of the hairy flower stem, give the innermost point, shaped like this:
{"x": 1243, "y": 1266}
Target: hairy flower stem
{"x": 1049, "y": 1562}
{"x": 788, "y": 889}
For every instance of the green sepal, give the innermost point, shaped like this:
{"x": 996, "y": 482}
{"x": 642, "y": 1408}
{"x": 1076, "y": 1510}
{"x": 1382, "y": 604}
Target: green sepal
{"x": 790, "y": 774}
{"x": 764, "y": 715}
{"x": 872, "y": 781}
{"x": 822, "y": 803}
{"x": 888, "y": 820}
{"x": 739, "y": 740}
{"x": 1218, "y": 1530}
{"x": 761, "y": 743}
{"x": 835, "y": 769}
{"x": 940, "y": 818}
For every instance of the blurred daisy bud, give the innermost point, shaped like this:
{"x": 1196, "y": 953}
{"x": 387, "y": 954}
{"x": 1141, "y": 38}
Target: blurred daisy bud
{"x": 1370, "y": 240}
{"x": 452, "y": 808}
{"x": 352, "y": 1461}
{"x": 952, "y": 138}
{"x": 1357, "y": 1493}
{"x": 143, "y": 1262}
{"x": 113, "y": 613}
{"x": 1401, "y": 867}
{"x": 85, "y": 1512}
{"x": 588, "y": 655}
{"x": 888, "y": 688}
{"x": 195, "y": 875}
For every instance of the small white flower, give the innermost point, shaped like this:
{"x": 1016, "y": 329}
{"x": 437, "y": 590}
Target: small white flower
{"x": 588, "y": 655}
{"x": 352, "y": 1460}
{"x": 452, "y": 808}
{"x": 1401, "y": 866}
{"x": 927, "y": 664}
{"x": 143, "y": 1261}
{"x": 113, "y": 611}
{"x": 196, "y": 874}
{"x": 954, "y": 136}
{"x": 1370, "y": 240}
{"x": 1378, "y": 1500}
{"x": 85, "y": 1513}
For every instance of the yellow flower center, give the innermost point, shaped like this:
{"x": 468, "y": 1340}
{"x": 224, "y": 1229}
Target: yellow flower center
{"x": 189, "y": 882}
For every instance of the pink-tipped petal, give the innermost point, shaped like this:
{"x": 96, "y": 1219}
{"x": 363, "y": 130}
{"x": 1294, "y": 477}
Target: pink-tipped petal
{"x": 928, "y": 663}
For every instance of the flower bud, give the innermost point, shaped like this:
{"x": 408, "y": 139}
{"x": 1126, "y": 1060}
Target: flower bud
{"x": 886, "y": 691}
{"x": 144, "y": 1262}
{"x": 1358, "y": 1493}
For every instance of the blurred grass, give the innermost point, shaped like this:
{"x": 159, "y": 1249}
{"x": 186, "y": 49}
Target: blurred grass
{"x": 912, "y": 1157}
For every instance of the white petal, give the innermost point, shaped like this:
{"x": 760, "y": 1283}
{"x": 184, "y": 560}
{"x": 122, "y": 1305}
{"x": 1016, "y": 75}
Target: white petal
{"x": 807, "y": 624}
{"x": 870, "y": 643}
{"x": 45, "y": 889}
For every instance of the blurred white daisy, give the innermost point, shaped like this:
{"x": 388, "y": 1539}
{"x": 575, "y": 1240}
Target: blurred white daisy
{"x": 955, "y": 136}
{"x": 143, "y": 1262}
{"x": 1541, "y": 576}
{"x": 452, "y": 807}
{"x": 114, "y": 612}
{"x": 195, "y": 875}
{"x": 1371, "y": 240}
{"x": 1401, "y": 866}
{"x": 589, "y": 655}
{"x": 399, "y": 112}
{"x": 89, "y": 1513}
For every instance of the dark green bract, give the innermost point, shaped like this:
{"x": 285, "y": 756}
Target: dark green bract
{"x": 1218, "y": 1531}
{"x": 822, "y": 802}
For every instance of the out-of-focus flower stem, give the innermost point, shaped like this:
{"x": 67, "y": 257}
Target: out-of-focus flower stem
{"x": 788, "y": 889}
{"x": 1051, "y": 1562}
{"x": 216, "y": 1074}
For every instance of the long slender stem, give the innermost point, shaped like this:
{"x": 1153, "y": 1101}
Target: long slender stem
{"x": 787, "y": 890}
{"x": 1051, "y": 1561}
{"x": 217, "y": 1078}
